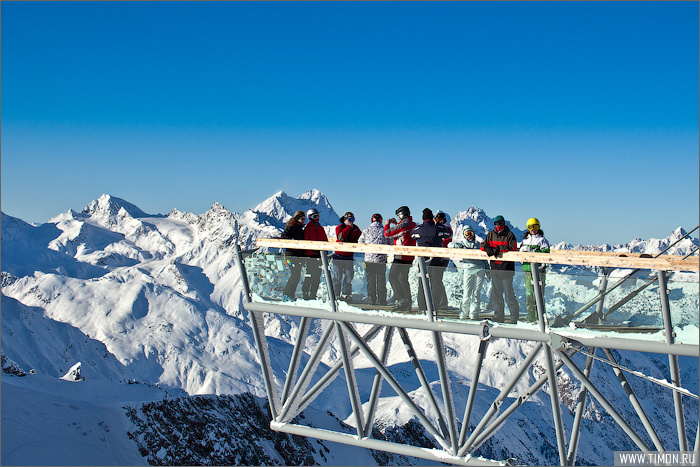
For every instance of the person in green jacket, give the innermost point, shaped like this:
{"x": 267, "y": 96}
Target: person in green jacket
{"x": 533, "y": 241}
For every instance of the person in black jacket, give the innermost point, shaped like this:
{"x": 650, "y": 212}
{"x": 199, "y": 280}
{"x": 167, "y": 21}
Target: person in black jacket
{"x": 294, "y": 230}
{"x": 430, "y": 234}
{"x": 497, "y": 241}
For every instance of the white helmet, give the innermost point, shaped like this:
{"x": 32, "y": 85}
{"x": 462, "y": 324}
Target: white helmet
{"x": 313, "y": 212}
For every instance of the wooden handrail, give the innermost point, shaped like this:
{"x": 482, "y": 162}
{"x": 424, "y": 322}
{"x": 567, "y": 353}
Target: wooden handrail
{"x": 580, "y": 258}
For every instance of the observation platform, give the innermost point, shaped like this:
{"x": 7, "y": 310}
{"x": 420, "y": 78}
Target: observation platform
{"x": 586, "y": 302}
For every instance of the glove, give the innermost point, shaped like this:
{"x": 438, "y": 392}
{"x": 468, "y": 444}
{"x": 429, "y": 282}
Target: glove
{"x": 391, "y": 221}
{"x": 490, "y": 251}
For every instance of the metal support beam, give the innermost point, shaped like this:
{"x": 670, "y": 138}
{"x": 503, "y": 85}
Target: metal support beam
{"x": 580, "y": 406}
{"x": 635, "y": 403}
{"x": 600, "y": 296}
{"x": 257, "y": 326}
{"x": 304, "y": 326}
{"x": 630, "y": 296}
{"x": 392, "y": 381}
{"x": 673, "y": 362}
{"x": 377, "y": 383}
{"x": 478, "y": 362}
{"x": 425, "y": 384}
{"x": 603, "y": 401}
{"x": 549, "y": 363}
{"x": 292, "y": 402}
{"x": 529, "y": 392}
{"x": 333, "y": 371}
{"x": 329, "y": 280}
{"x": 434, "y": 455}
{"x": 602, "y": 289}
{"x": 493, "y": 410}
{"x": 449, "y": 414}
{"x": 349, "y": 368}
{"x": 507, "y": 332}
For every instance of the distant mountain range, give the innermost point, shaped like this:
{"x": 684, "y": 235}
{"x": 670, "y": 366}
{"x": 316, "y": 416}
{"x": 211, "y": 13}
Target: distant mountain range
{"x": 148, "y": 310}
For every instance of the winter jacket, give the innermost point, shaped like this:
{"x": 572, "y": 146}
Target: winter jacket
{"x": 314, "y": 231}
{"x": 431, "y": 234}
{"x": 347, "y": 234}
{"x": 401, "y": 234}
{"x": 534, "y": 243}
{"x": 469, "y": 245}
{"x": 503, "y": 241}
{"x": 374, "y": 234}
{"x": 446, "y": 241}
{"x": 293, "y": 232}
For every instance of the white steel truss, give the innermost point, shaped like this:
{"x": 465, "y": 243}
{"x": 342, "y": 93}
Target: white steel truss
{"x": 457, "y": 444}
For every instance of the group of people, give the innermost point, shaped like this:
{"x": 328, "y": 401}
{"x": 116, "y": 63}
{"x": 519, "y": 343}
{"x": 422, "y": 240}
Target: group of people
{"x": 432, "y": 232}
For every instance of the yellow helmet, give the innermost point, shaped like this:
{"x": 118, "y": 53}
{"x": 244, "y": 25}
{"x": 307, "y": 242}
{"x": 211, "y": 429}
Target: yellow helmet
{"x": 533, "y": 223}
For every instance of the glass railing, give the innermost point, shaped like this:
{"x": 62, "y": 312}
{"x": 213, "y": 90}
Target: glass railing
{"x": 632, "y": 303}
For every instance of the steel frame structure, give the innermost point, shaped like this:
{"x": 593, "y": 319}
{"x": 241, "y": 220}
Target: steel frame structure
{"x": 457, "y": 443}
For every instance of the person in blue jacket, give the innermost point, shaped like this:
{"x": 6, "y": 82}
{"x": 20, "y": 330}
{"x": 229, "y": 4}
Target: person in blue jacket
{"x": 473, "y": 278}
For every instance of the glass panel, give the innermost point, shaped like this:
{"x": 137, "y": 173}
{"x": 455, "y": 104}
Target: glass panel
{"x": 631, "y": 304}
{"x": 685, "y": 308}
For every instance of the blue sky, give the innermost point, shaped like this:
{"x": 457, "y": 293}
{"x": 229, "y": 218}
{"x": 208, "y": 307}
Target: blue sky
{"x": 584, "y": 115}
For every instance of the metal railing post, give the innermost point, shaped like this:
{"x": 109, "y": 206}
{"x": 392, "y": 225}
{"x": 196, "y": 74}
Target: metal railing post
{"x": 258, "y": 329}
{"x": 672, "y": 362}
{"x": 423, "y": 275}
{"x": 603, "y": 287}
{"x": 549, "y": 362}
{"x": 329, "y": 280}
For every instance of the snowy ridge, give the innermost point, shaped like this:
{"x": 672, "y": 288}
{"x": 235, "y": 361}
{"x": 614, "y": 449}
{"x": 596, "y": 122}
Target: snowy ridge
{"x": 477, "y": 219}
{"x": 156, "y": 300}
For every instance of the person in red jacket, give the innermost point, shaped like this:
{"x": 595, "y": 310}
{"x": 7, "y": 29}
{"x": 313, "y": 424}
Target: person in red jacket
{"x": 398, "y": 275}
{"x": 343, "y": 262}
{"x": 313, "y": 231}
{"x": 498, "y": 240}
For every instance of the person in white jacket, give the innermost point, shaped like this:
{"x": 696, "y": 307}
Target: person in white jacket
{"x": 533, "y": 241}
{"x": 375, "y": 264}
{"x": 473, "y": 279}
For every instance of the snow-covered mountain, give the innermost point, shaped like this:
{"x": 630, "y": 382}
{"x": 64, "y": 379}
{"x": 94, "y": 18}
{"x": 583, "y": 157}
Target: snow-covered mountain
{"x": 149, "y": 309}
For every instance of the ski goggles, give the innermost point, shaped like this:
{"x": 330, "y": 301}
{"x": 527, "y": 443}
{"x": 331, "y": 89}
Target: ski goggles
{"x": 499, "y": 223}
{"x": 351, "y": 219}
{"x": 313, "y": 216}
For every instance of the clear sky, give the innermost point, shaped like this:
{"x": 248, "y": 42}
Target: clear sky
{"x": 585, "y": 115}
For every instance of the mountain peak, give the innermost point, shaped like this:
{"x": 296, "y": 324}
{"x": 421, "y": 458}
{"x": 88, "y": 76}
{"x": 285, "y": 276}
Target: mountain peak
{"x": 279, "y": 207}
{"x": 108, "y": 206}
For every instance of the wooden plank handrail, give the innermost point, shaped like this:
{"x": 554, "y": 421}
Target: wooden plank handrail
{"x": 580, "y": 258}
